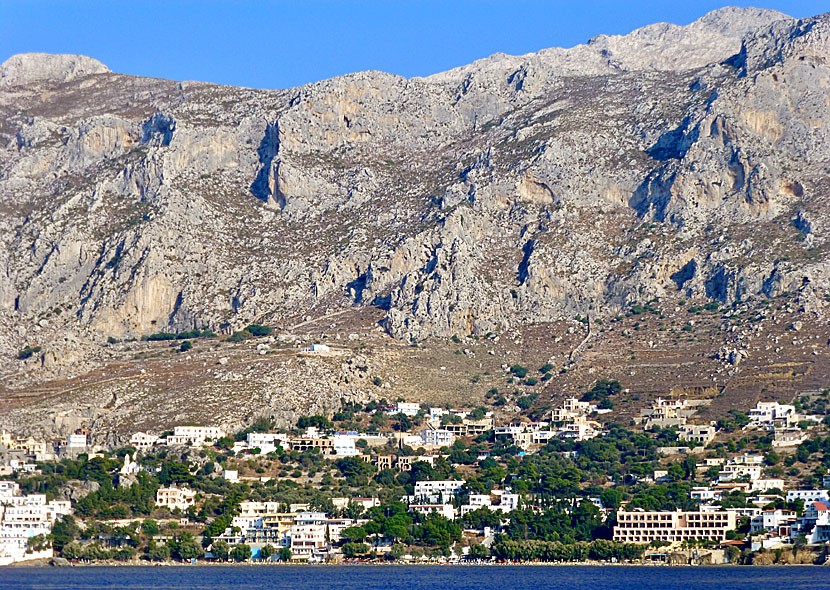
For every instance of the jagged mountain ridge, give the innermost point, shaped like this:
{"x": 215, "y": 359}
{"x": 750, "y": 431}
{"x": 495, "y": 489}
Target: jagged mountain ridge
{"x": 685, "y": 162}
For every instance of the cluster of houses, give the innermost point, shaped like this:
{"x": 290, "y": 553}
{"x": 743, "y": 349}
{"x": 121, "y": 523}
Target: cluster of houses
{"x": 436, "y": 433}
{"x": 21, "y": 453}
{"x": 314, "y": 535}
{"x": 570, "y": 421}
{"x": 25, "y": 518}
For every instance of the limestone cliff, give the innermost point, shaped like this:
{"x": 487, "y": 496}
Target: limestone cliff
{"x": 673, "y": 162}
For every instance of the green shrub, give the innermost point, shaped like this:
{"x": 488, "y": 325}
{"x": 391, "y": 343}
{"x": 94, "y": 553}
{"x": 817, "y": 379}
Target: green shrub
{"x": 259, "y": 330}
{"x": 28, "y": 352}
{"x": 240, "y": 336}
{"x": 519, "y": 371}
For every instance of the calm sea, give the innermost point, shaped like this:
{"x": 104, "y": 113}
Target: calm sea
{"x": 417, "y": 577}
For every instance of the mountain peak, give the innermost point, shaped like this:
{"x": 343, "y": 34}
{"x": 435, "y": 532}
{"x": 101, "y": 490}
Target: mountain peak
{"x": 25, "y": 68}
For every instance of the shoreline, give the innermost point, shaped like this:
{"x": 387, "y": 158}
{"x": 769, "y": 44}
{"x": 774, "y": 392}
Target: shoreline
{"x": 144, "y": 564}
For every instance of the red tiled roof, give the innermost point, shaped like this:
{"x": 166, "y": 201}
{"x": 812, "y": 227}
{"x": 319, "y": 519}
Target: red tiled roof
{"x": 820, "y": 506}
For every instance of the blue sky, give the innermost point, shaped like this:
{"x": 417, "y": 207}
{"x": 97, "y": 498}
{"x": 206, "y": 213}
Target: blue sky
{"x": 280, "y": 44}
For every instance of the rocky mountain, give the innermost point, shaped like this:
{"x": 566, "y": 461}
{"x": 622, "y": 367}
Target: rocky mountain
{"x": 677, "y": 163}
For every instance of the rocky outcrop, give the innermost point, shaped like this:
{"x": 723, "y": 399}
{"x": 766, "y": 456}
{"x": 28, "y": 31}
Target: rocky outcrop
{"x": 36, "y": 67}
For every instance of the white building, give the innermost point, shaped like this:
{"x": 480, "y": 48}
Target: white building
{"x": 763, "y": 485}
{"x": 405, "y": 408}
{"x": 195, "y": 435}
{"x": 742, "y": 467}
{"x": 579, "y": 430}
{"x": 773, "y": 414}
{"x": 814, "y": 525}
{"x": 443, "y": 487}
{"x": 308, "y": 534}
{"x": 645, "y": 527}
{"x": 701, "y": 434}
{"x": 570, "y": 410}
{"x": 77, "y": 440}
{"x": 788, "y": 437}
{"x": 497, "y": 501}
{"x": 772, "y": 521}
{"x": 24, "y": 517}
{"x": 344, "y": 446}
{"x": 704, "y": 495}
{"x": 437, "y": 437}
{"x": 143, "y": 441}
{"x": 808, "y": 496}
{"x": 266, "y": 442}
{"x": 175, "y": 497}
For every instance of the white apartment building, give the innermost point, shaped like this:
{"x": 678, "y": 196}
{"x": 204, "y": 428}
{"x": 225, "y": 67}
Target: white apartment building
{"x": 788, "y": 437}
{"x": 405, "y": 408}
{"x": 344, "y": 446}
{"x": 645, "y": 527}
{"x": 579, "y": 430}
{"x": 76, "y": 440}
{"x": 808, "y": 496}
{"x": 701, "y": 434}
{"x": 497, "y": 501}
{"x": 437, "y": 437}
{"x": 308, "y": 534}
{"x": 571, "y": 409}
{"x": 195, "y": 435}
{"x": 773, "y": 521}
{"x": 814, "y": 525}
{"x": 23, "y": 517}
{"x": 763, "y": 485}
{"x": 704, "y": 495}
{"x": 175, "y": 497}
{"x": 266, "y": 442}
{"x": 143, "y": 441}
{"x": 431, "y": 488}
{"x": 744, "y": 466}
{"x": 365, "y": 503}
{"x": 772, "y": 414}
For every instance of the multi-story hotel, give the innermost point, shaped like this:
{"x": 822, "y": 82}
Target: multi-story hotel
{"x": 645, "y": 527}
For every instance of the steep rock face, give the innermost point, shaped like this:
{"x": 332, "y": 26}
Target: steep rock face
{"x": 671, "y": 162}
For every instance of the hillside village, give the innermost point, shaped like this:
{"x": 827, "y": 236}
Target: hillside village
{"x": 405, "y": 481}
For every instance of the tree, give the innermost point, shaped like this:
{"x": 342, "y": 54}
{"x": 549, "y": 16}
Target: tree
{"x": 258, "y": 330}
{"x": 525, "y": 402}
{"x": 676, "y": 472}
{"x": 351, "y": 550}
{"x": 610, "y": 498}
{"x": 220, "y": 549}
{"x": 241, "y": 552}
{"x": 478, "y": 551}
{"x": 285, "y": 554}
{"x": 72, "y": 550}
{"x": 64, "y": 531}
{"x": 519, "y": 371}
{"x": 149, "y": 527}
{"x": 266, "y": 552}
{"x": 37, "y": 543}
{"x": 158, "y": 552}
{"x": 355, "y": 533}
{"x": 355, "y": 470}
{"x": 187, "y": 548}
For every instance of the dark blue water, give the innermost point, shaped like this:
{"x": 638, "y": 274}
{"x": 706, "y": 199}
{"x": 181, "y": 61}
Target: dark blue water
{"x": 416, "y": 578}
